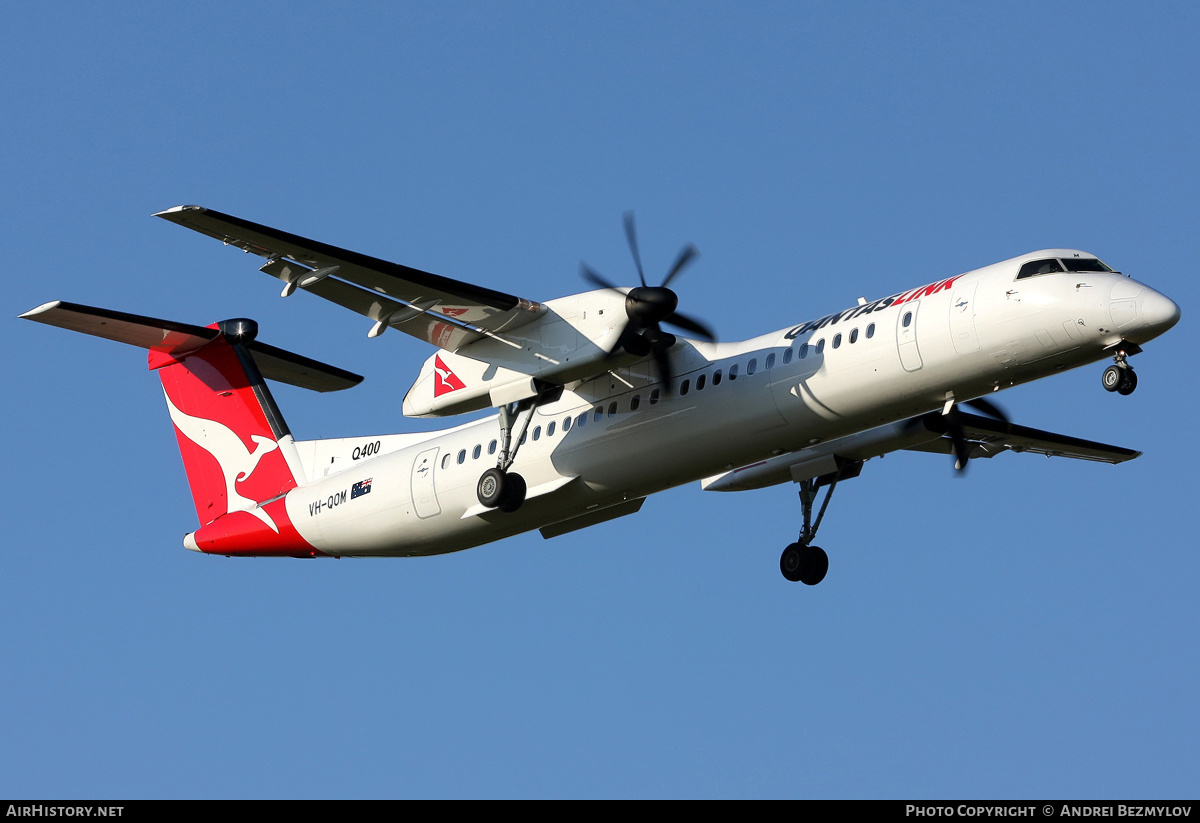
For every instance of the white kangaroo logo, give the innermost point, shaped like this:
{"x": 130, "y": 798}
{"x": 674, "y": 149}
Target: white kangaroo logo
{"x": 236, "y": 462}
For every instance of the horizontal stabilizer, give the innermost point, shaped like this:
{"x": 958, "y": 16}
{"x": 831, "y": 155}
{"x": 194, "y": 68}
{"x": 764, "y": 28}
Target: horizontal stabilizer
{"x": 171, "y": 338}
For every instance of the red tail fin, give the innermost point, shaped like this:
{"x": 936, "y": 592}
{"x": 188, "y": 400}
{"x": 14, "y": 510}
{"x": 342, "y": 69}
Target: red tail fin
{"x": 235, "y": 445}
{"x": 238, "y": 453}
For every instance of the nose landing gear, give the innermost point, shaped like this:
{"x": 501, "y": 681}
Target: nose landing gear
{"x": 1121, "y": 377}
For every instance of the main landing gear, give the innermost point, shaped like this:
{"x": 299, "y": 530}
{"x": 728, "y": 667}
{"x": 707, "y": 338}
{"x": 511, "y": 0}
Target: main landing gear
{"x": 1121, "y": 377}
{"x": 802, "y": 562}
{"x": 499, "y": 488}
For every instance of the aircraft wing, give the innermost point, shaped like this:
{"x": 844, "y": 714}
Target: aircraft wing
{"x": 447, "y": 313}
{"x": 985, "y": 436}
{"x": 988, "y": 437}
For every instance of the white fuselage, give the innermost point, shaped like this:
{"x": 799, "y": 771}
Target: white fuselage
{"x": 621, "y": 437}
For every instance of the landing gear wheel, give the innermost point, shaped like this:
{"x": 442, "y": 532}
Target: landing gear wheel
{"x": 804, "y": 564}
{"x": 814, "y": 565}
{"x": 790, "y": 562}
{"x": 1112, "y": 378}
{"x": 501, "y": 490}
{"x": 514, "y": 494}
{"x": 1128, "y": 382}
{"x": 492, "y": 487}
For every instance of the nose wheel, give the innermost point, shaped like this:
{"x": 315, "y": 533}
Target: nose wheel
{"x": 1120, "y": 377}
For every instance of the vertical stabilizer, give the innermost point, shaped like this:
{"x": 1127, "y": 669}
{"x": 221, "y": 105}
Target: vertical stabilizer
{"x": 236, "y": 449}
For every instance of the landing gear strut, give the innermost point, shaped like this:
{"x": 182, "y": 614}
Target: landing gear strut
{"x": 802, "y": 562}
{"x": 1120, "y": 377}
{"x": 499, "y": 488}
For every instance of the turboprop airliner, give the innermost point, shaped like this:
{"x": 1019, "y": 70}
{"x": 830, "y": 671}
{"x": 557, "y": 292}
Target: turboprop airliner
{"x": 596, "y": 406}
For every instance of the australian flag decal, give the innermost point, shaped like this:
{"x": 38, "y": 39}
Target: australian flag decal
{"x": 360, "y": 488}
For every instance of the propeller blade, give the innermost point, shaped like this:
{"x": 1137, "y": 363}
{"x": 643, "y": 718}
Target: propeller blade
{"x": 689, "y": 252}
{"x": 592, "y": 276}
{"x": 662, "y": 361}
{"x": 633, "y": 246}
{"x": 694, "y": 326}
{"x": 989, "y": 408}
{"x": 627, "y": 334}
{"x": 959, "y": 441}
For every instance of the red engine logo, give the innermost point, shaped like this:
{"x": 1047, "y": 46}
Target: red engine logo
{"x": 444, "y": 380}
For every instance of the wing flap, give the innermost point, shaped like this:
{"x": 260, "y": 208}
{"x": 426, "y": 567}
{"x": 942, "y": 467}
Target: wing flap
{"x": 367, "y": 282}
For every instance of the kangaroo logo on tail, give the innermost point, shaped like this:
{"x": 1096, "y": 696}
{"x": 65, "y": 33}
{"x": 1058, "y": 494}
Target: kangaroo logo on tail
{"x": 236, "y": 461}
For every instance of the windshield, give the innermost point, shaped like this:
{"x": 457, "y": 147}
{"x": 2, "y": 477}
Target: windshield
{"x": 1084, "y": 264}
{"x": 1053, "y": 265}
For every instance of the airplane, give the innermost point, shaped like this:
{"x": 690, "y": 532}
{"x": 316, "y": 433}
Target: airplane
{"x": 596, "y": 406}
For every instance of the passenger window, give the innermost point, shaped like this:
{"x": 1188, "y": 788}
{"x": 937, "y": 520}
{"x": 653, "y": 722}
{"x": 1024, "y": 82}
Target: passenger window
{"x": 700, "y": 382}
{"x": 821, "y": 346}
{"x": 492, "y": 447}
{"x": 717, "y": 377}
{"x": 837, "y": 340}
{"x": 478, "y": 450}
{"x": 462, "y": 457}
{"x": 733, "y": 372}
{"x": 582, "y": 421}
{"x": 524, "y": 437}
{"x": 550, "y": 430}
{"x": 770, "y": 364}
{"x": 446, "y": 461}
{"x": 612, "y": 409}
{"x": 907, "y": 319}
{"x": 653, "y": 397}
{"x": 787, "y": 357}
{"x": 635, "y": 402}
{"x": 566, "y": 424}
{"x": 870, "y": 331}
{"x": 599, "y": 413}
{"x": 854, "y": 335}
{"x": 803, "y": 350}
{"x": 684, "y": 387}
{"x": 537, "y": 432}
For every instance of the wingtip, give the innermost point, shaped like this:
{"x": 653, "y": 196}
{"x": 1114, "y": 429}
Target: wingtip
{"x": 166, "y": 213}
{"x": 45, "y": 307}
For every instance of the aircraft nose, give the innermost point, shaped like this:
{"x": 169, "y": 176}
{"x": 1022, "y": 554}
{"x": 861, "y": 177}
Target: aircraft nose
{"x": 1158, "y": 311}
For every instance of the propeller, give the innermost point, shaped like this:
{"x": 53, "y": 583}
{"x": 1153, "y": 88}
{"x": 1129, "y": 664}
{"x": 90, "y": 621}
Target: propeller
{"x": 647, "y": 307}
{"x": 954, "y": 428}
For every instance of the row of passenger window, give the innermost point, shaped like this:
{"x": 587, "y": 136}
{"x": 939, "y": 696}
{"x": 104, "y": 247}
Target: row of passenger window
{"x": 819, "y": 348}
{"x": 597, "y": 414}
{"x": 685, "y": 387}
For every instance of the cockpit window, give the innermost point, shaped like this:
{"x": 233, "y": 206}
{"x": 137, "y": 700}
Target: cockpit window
{"x": 1035, "y": 267}
{"x": 1084, "y": 264}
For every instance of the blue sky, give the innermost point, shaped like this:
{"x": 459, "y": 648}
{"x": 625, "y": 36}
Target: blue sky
{"x": 1028, "y": 631}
